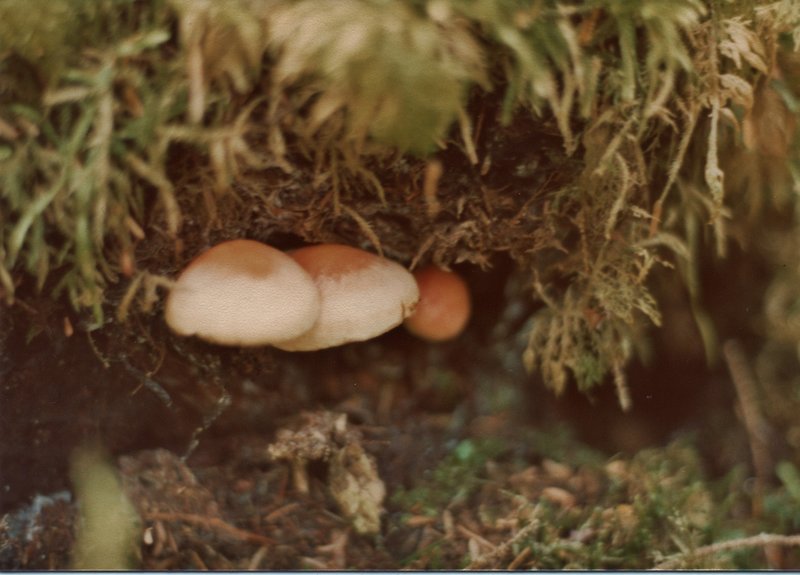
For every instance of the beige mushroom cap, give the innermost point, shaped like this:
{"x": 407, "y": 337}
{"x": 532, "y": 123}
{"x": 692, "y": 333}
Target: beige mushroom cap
{"x": 362, "y": 295}
{"x": 243, "y": 293}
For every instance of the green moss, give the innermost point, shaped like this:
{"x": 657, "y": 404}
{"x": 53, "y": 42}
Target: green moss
{"x": 453, "y": 480}
{"x": 576, "y": 509}
{"x": 120, "y": 121}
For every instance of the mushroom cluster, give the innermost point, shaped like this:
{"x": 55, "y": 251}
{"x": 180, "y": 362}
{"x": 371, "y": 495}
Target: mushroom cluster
{"x": 245, "y": 293}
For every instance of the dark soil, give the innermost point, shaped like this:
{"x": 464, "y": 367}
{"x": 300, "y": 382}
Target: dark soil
{"x": 189, "y": 425}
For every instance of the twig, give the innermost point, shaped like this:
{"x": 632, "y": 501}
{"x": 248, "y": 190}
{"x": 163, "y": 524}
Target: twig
{"x": 470, "y": 534}
{"x": 466, "y": 135}
{"x": 623, "y": 393}
{"x": 760, "y": 540}
{"x": 255, "y": 560}
{"x": 197, "y": 560}
{"x": 521, "y": 556}
{"x": 486, "y": 560}
{"x": 214, "y": 523}
{"x": 281, "y": 511}
{"x": 745, "y": 383}
{"x": 103, "y": 359}
{"x": 365, "y": 228}
{"x": 430, "y": 187}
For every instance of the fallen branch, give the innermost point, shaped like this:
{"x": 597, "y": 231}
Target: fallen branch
{"x": 760, "y": 540}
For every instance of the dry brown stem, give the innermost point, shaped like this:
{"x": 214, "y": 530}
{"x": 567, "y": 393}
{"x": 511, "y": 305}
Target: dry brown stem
{"x": 757, "y": 427}
{"x": 489, "y": 560}
{"x": 760, "y": 540}
{"x": 214, "y": 523}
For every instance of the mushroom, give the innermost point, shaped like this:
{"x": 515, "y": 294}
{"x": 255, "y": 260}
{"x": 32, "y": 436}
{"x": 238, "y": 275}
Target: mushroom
{"x": 444, "y": 305}
{"x": 243, "y": 293}
{"x": 362, "y": 295}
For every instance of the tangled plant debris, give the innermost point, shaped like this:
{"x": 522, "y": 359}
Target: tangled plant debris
{"x": 352, "y": 476}
{"x": 480, "y": 507}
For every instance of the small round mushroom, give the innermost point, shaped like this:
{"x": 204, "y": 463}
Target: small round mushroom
{"x": 444, "y": 305}
{"x": 362, "y": 295}
{"x": 243, "y": 293}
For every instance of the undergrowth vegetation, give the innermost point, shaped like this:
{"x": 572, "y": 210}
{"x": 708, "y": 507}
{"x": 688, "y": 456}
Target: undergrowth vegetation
{"x": 581, "y": 511}
{"x": 601, "y": 144}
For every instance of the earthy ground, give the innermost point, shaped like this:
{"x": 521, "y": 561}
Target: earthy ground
{"x": 481, "y": 466}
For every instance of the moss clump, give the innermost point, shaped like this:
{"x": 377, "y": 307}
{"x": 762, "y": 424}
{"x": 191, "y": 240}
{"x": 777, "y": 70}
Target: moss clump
{"x": 579, "y": 512}
{"x": 588, "y": 140}
{"x": 453, "y": 480}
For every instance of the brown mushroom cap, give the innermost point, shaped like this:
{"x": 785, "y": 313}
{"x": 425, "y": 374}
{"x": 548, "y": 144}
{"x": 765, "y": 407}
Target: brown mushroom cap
{"x": 444, "y": 305}
{"x": 243, "y": 293}
{"x": 362, "y": 295}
